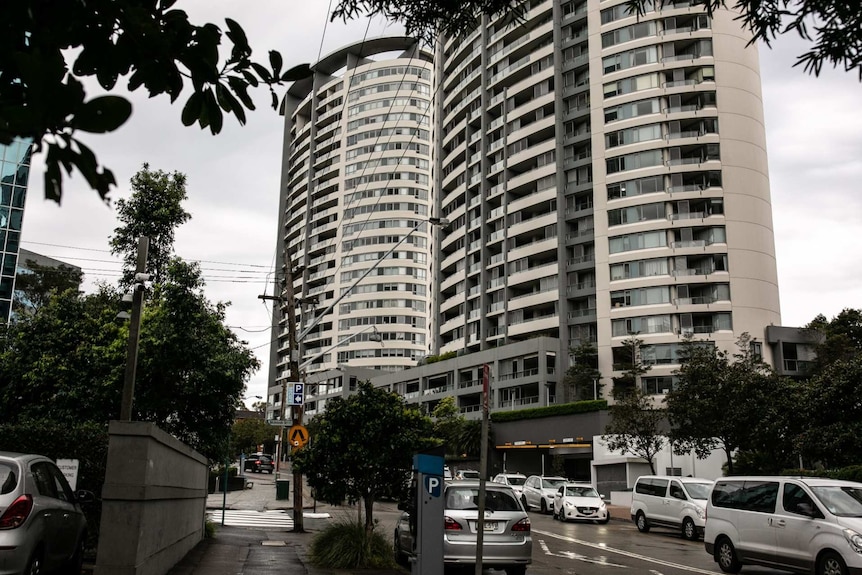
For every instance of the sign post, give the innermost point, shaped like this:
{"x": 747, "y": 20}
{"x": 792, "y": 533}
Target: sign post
{"x": 483, "y": 467}
{"x": 429, "y": 510}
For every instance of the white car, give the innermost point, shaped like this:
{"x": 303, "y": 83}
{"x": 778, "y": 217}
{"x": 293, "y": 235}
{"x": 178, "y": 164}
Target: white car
{"x": 539, "y": 491}
{"x": 514, "y": 480}
{"x": 580, "y": 502}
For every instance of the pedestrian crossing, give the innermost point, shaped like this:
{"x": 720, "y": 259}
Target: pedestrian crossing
{"x": 276, "y": 520}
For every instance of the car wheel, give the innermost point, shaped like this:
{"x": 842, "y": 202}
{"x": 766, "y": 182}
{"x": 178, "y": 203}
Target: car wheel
{"x": 606, "y": 519}
{"x": 641, "y": 522}
{"x": 544, "y": 506}
{"x": 831, "y": 563}
{"x": 725, "y": 554}
{"x": 689, "y": 531}
{"x": 516, "y": 570}
{"x": 34, "y": 566}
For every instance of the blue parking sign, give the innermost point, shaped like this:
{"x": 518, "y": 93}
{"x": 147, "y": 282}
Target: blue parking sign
{"x": 433, "y": 485}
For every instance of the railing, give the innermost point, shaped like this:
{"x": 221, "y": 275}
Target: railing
{"x": 469, "y": 384}
{"x": 687, "y": 216}
{"x": 580, "y": 286}
{"x": 689, "y": 244}
{"x": 517, "y": 374}
{"x": 695, "y": 300}
{"x": 579, "y": 313}
{"x": 796, "y": 365}
{"x": 580, "y": 260}
{"x": 520, "y": 401}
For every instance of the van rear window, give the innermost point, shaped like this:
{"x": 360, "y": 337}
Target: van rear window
{"x": 759, "y": 496}
{"x": 652, "y": 486}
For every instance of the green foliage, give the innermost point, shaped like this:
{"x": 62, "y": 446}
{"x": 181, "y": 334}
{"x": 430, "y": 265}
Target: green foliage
{"x": 550, "y": 411}
{"x": 628, "y": 360}
{"x": 731, "y": 402}
{"x": 424, "y": 20}
{"x": 838, "y": 339}
{"x": 441, "y": 357}
{"x": 832, "y": 410}
{"x": 583, "y": 378}
{"x": 41, "y": 284}
{"x": 347, "y": 544}
{"x": 448, "y": 425}
{"x": 851, "y": 473}
{"x": 192, "y": 369}
{"x": 209, "y": 529}
{"x": 85, "y": 441}
{"x": 247, "y": 434}
{"x": 155, "y": 210}
{"x": 363, "y": 448}
{"x": 151, "y": 45}
{"x": 636, "y": 426}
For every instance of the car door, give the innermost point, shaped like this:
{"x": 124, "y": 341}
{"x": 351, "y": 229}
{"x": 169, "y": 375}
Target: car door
{"x": 532, "y": 491}
{"x": 795, "y": 527}
{"x": 756, "y": 519}
{"x": 559, "y": 499}
{"x": 55, "y": 514}
{"x": 674, "y": 503}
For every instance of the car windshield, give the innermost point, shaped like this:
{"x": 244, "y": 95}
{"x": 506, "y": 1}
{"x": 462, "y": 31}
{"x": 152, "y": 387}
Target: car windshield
{"x": 840, "y": 500}
{"x": 517, "y": 480}
{"x": 466, "y": 498}
{"x": 8, "y": 479}
{"x": 573, "y": 491}
{"x": 552, "y": 483}
{"x": 698, "y": 490}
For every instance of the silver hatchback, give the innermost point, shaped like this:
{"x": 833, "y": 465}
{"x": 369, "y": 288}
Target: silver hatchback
{"x": 42, "y": 527}
{"x": 506, "y": 543}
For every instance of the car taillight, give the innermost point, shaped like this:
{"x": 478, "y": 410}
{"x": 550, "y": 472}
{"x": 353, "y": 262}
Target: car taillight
{"x": 522, "y": 525}
{"x": 450, "y": 524}
{"x": 17, "y": 513}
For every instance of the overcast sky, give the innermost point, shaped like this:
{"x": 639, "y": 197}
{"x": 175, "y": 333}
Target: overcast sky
{"x": 814, "y": 134}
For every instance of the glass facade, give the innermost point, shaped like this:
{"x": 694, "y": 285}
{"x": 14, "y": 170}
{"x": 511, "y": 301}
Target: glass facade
{"x": 14, "y": 173}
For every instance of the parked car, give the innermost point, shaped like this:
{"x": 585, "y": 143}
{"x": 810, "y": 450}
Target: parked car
{"x": 580, "y": 502}
{"x": 514, "y": 480}
{"x": 539, "y": 491}
{"x": 463, "y": 474}
{"x": 678, "y": 503}
{"x": 507, "y": 542}
{"x": 805, "y": 525}
{"x": 42, "y": 527}
{"x": 258, "y": 463}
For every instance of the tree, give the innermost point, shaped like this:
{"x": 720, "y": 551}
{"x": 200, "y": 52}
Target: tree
{"x": 636, "y": 426}
{"x": 192, "y": 369}
{"x": 838, "y": 339}
{"x": 247, "y": 434}
{"x": 718, "y": 401}
{"x": 583, "y": 379}
{"x": 155, "y": 210}
{"x": 38, "y": 285}
{"x": 832, "y": 409}
{"x": 627, "y": 359}
{"x": 150, "y": 43}
{"x": 448, "y": 425}
{"x": 363, "y": 447}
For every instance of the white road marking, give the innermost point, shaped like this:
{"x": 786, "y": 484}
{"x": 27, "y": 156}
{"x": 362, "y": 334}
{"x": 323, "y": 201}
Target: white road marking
{"x": 624, "y": 553}
{"x": 278, "y": 520}
{"x": 576, "y": 556}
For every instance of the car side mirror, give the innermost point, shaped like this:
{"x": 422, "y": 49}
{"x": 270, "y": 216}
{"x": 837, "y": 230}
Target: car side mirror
{"x": 84, "y": 497}
{"x": 603, "y": 497}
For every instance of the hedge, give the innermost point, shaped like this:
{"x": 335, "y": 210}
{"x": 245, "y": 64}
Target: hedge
{"x": 550, "y": 411}
{"x": 852, "y": 473}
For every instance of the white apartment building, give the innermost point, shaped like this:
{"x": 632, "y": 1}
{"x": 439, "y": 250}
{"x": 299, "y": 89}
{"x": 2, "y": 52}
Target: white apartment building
{"x": 604, "y": 175}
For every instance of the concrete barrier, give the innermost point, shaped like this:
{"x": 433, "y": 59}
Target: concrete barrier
{"x": 153, "y": 501}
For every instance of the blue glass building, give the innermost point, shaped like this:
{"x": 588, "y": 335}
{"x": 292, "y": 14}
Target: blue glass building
{"x": 14, "y": 173}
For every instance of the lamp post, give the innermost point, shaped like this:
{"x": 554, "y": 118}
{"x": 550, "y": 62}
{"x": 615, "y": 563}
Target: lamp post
{"x": 295, "y": 340}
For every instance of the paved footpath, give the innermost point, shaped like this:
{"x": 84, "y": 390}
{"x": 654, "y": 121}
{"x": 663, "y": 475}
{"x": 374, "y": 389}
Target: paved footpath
{"x": 250, "y": 550}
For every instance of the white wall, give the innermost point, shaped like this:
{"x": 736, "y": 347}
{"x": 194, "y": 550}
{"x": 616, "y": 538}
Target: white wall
{"x": 709, "y": 468}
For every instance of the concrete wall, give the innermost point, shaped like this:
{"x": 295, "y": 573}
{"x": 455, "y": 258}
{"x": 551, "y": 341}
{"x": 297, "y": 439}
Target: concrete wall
{"x": 153, "y": 501}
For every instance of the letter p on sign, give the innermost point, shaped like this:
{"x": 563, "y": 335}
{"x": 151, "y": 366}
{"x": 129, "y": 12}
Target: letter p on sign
{"x": 433, "y": 485}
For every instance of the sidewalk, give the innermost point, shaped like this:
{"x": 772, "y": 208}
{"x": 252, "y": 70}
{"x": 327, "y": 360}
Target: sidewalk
{"x": 240, "y": 550}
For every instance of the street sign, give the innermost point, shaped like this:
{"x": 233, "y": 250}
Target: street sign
{"x": 298, "y": 436}
{"x": 296, "y": 393}
{"x": 280, "y": 422}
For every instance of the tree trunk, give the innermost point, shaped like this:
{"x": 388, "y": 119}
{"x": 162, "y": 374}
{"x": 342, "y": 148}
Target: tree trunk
{"x": 369, "y": 519}
{"x": 727, "y": 452}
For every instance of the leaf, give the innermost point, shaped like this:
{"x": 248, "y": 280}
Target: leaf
{"x": 298, "y": 72}
{"x": 262, "y": 72}
{"x": 214, "y": 112}
{"x": 102, "y": 114}
{"x": 240, "y": 88}
{"x": 236, "y": 34}
{"x": 192, "y": 109}
{"x": 228, "y": 103}
{"x": 276, "y": 61}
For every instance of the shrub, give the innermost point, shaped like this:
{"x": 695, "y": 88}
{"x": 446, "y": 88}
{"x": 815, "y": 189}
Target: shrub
{"x": 345, "y": 545}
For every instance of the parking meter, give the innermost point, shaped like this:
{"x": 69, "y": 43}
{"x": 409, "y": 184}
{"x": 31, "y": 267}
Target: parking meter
{"x": 428, "y": 539}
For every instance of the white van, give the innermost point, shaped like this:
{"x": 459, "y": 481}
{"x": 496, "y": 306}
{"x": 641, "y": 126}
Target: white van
{"x": 674, "y": 502}
{"x": 804, "y": 525}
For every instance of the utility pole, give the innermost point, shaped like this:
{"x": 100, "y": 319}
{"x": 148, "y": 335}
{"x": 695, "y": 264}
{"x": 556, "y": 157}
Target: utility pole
{"x": 134, "y": 329}
{"x": 296, "y": 416}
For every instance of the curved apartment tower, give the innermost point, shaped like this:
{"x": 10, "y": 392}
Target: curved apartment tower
{"x": 356, "y": 176}
{"x": 605, "y": 176}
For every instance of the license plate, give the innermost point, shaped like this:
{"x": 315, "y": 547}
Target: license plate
{"x": 490, "y": 525}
